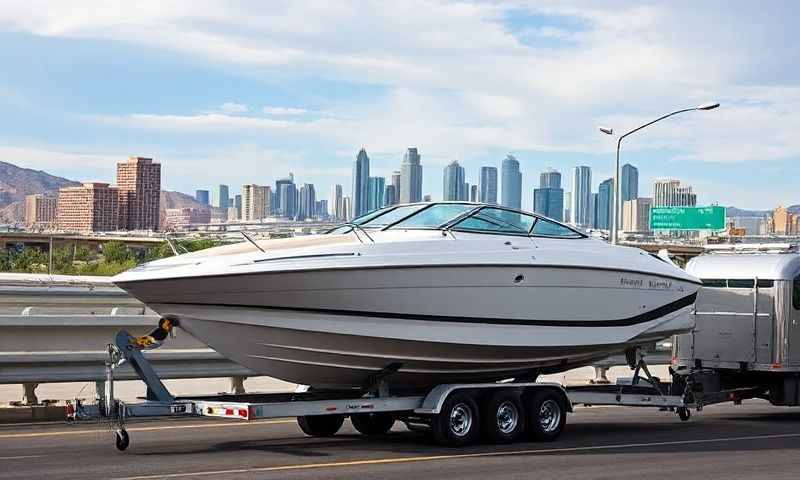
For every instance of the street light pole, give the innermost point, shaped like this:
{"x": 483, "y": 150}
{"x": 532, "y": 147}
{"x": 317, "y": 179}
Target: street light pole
{"x": 617, "y": 188}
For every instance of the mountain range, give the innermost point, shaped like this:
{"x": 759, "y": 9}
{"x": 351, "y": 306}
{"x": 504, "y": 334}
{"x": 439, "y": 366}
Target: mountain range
{"x": 17, "y": 182}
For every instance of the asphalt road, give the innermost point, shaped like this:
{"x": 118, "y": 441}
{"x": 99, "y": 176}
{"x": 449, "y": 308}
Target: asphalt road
{"x": 754, "y": 440}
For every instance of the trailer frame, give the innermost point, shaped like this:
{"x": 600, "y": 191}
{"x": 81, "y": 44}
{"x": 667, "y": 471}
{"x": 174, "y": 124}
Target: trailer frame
{"x": 374, "y": 404}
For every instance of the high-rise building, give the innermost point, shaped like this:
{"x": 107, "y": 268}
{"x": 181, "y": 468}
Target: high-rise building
{"x": 277, "y": 208}
{"x": 549, "y": 201}
{"x": 411, "y": 177}
{"x": 488, "y": 185}
{"x": 322, "y": 209}
{"x": 376, "y": 187}
{"x": 361, "y": 184}
{"x": 550, "y": 178}
{"x": 184, "y": 218}
{"x": 220, "y": 196}
{"x": 201, "y": 196}
{"x": 580, "y": 203}
{"x": 511, "y": 184}
{"x": 568, "y": 207}
{"x": 256, "y": 201}
{"x": 629, "y": 183}
{"x": 288, "y": 200}
{"x": 91, "y": 207}
{"x": 453, "y": 186}
{"x": 783, "y": 222}
{"x": 308, "y": 202}
{"x": 389, "y": 195}
{"x": 237, "y": 203}
{"x": 473, "y": 193}
{"x": 670, "y": 193}
{"x": 396, "y": 184}
{"x": 347, "y": 209}
{"x": 605, "y": 204}
{"x": 40, "y": 210}
{"x": 593, "y": 210}
{"x": 636, "y": 215}
{"x": 337, "y": 202}
{"x": 139, "y": 189}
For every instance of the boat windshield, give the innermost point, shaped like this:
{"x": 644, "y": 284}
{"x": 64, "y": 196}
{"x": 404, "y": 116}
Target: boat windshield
{"x": 467, "y": 217}
{"x": 435, "y": 216}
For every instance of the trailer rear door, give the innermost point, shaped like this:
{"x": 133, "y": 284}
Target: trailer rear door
{"x": 730, "y": 328}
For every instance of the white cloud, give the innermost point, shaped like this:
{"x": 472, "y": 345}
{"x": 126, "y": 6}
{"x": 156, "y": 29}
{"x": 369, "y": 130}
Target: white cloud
{"x": 284, "y": 111}
{"x": 233, "y": 108}
{"x": 458, "y": 80}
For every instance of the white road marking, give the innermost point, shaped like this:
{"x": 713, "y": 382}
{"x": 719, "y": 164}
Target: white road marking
{"x": 384, "y": 461}
{"x": 20, "y": 457}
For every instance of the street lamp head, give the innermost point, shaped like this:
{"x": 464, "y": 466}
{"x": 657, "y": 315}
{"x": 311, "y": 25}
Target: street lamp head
{"x": 606, "y": 130}
{"x": 707, "y": 106}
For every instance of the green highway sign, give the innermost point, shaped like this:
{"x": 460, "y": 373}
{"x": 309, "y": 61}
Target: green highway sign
{"x": 687, "y": 218}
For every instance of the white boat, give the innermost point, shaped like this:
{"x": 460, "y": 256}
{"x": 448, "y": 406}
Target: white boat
{"x": 422, "y": 294}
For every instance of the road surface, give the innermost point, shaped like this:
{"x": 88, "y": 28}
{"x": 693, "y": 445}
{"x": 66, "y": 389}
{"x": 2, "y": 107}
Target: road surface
{"x": 724, "y": 441}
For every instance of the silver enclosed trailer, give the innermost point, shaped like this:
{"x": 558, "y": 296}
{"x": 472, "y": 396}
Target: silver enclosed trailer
{"x": 746, "y": 340}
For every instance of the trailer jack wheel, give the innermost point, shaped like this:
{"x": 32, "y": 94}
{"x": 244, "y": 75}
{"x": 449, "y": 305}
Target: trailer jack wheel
{"x": 122, "y": 439}
{"x": 684, "y": 414}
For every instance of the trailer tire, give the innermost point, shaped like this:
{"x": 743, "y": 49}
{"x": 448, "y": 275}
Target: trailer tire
{"x": 372, "y": 423}
{"x": 320, "y": 425}
{"x": 458, "y": 422}
{"x": 503, "y": 417}
{"x": 547, "y": 415}
{"x": 122, "y": 440}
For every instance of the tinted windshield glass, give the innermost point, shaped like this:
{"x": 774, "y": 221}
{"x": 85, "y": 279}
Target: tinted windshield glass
{"x": 435, "y": 216}
{"x": 369, "y": 216}
{"x": 389, "y": 218}
{"x": 546, "y": 228}
{"x": 498, "y": 220}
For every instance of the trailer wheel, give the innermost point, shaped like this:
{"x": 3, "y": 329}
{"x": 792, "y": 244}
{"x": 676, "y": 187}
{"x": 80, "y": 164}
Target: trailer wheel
{"x": 320, "y": 425}
{"x": 458, "y": 422}
{"x": 503, "y": 417}
{"x": 372, "y": 423}
{"x": 684, "y": 414}
{"x": 547, "y": 415}
{"x": 122, "y": 440}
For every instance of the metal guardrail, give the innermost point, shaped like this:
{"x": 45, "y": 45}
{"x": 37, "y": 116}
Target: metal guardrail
{"x": 56, "y": 329}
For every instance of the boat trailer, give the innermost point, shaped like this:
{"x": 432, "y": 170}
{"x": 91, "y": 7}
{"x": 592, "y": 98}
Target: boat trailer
{"x": 443, "y": 409}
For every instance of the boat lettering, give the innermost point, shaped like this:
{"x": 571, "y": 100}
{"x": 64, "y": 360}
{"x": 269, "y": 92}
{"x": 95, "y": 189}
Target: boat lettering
{"x": 660, "y": 284}
{"x": 631, "y": 282}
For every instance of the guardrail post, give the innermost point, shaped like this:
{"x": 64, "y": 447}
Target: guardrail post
{"x": 100, "y": 390}
{"x": 237, "y": 385}
{"x": 600, "y": 376}
{"x": 29, "y": 394}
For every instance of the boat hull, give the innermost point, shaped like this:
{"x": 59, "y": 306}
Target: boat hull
{"x": 431, "y": 324}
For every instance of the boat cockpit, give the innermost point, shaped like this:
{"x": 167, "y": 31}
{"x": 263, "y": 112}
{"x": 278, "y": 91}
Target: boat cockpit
{"x": 460, "y": 216}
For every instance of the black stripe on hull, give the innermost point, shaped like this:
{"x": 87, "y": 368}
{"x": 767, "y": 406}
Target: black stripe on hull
{"x": 624, "y": 322}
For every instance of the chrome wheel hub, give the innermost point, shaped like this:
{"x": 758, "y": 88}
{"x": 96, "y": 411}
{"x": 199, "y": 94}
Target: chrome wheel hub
{"x": 460, "y": 420}
{"x": 549, "y": 416}
{"x": 507, "y": 417}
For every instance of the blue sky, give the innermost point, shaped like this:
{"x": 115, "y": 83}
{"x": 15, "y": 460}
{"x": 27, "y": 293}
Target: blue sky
{"x": 243, "y": 91}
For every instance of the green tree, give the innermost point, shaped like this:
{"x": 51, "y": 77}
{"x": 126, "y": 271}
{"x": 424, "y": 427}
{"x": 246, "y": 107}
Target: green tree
{"x": 116, "y": 252}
